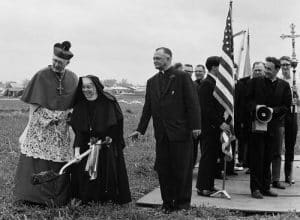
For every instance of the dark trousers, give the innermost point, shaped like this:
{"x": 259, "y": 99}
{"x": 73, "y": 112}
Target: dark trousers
{"x": 260, "y": 157}
{"x": 210, "y": 148}
{"x": 196, "y": 142}
{"x": 277, "y": 150}
{"x": 291, "y": 129}
{"x": 220, "y": 163}
{"x": 230, "y": 164}
{"x": 174, "y": 165}
{"x": 243, "y": 150}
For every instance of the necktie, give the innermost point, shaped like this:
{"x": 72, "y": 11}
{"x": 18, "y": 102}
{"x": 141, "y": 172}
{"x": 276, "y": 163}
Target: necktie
{"x": 162, "y": 82}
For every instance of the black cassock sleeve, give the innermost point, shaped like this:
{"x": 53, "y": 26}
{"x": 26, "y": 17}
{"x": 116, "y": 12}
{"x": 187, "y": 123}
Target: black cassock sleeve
{"x": 146, "y": 114}
{"x": 81, "y": 139}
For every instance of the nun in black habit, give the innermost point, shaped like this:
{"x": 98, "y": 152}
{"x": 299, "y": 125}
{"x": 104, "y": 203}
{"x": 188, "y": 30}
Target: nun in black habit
{"x": 98, "y": 115}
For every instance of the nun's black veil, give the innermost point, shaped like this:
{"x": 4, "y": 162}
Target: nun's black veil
{"x": 107, "y": 110}
{"x": 107, "y": 120}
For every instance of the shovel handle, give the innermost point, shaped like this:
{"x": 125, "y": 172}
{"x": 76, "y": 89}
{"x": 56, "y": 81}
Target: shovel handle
{"x": 74, "y": 160}
{"x": 86, "y": 153}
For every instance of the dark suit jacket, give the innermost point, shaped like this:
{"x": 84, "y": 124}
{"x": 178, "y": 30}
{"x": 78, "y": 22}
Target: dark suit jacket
{"x": 241, "y": 120}
{"x": 212, "y": 112}
{"x": 279, "y": 101}
{"x": 197, "y": 83}
{"x": 175, "y": 111}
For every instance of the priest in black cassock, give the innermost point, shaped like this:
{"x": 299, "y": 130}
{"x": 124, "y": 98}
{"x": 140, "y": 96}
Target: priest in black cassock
{"x": 46, "y": 141}
{"x": 97, "y": 115}
{"x": 242, "y": 124}
{"x": 171, "y": 100}
{"x": 274, "y": 93}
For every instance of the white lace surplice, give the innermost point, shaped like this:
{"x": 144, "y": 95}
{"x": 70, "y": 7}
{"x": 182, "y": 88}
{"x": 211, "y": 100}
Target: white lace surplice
{"x": 48, "y": 136}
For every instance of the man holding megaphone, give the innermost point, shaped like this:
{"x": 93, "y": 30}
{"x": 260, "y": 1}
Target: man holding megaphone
{"x": 268, "y": 100}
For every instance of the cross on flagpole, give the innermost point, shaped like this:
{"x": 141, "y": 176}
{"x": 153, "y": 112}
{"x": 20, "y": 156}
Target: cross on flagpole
{"x": 293, "y": 36}
{"x": 294, "y": 63}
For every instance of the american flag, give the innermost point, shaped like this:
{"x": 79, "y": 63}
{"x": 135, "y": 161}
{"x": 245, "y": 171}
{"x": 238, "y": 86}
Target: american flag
{"x": 224, "y": 90}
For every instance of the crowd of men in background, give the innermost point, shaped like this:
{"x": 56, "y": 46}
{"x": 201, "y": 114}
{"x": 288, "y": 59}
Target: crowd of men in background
{"x": 265, "y": 148}
{"x": 186, "y": 113}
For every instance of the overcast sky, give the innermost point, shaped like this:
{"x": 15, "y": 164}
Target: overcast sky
{"x": 117, "y": 38}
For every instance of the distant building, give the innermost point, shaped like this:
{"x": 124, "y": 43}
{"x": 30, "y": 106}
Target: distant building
{"x": 117, "y": 90}
{"x": 2, "y": 90}
{"x": 139, "y": 90}
{"x": 13, "y": 90}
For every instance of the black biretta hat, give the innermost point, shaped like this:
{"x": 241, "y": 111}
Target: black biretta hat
{"x": 62, "y": 50}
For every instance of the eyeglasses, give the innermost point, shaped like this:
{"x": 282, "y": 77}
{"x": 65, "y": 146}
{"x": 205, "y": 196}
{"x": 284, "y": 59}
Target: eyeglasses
{"x": 285, "y": 64}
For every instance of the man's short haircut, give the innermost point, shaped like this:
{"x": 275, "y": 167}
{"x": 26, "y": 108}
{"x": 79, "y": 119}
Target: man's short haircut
{"x": 275, "y": 61}
{"x": 188, "y": 65}
{"x": 177, "y": 65}
{"x": 200, "y": 65}
{"x": 286, "y": 58}
{"x": 165, "y": 50}
{"x": 212, "y": 61}
{"x": 257, "y": 63}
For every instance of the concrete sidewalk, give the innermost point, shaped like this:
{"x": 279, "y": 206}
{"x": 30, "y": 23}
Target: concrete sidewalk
{"x": 238, "y": 187}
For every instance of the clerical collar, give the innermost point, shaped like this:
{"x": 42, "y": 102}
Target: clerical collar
{"x": 167, "y": 69}
{"x": 212, "y": 76}
{"x": 58, "y": 73}
{"x": 272, "y": 80}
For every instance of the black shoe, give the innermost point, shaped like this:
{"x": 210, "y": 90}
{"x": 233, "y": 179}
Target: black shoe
{"x": 289, "y": 181}
{"x": 184, "y": 206}
{"x": 256, "y": 194}
{"x": 167, "y": 208}
{"x": 205, "y": 192}
{"x": 278, "y": 185}
{"x": 269, "y": 193}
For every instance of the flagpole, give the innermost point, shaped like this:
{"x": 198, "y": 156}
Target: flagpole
{"x": 223, "y": 97}
{"x": 247, "y": 66}
{"x": 240, "y": 54}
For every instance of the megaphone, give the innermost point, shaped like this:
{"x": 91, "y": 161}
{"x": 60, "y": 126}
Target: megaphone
{"x": 263, "y": 115}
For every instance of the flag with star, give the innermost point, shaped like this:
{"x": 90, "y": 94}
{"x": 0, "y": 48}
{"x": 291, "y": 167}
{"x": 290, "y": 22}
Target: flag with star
{"x": 224, "y": 90}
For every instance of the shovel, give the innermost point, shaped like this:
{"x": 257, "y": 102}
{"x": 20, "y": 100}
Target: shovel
{"x": 50, "y": 175}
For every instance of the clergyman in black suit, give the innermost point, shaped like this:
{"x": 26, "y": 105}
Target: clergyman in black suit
{"x": 242, "y": 124}
{"x": 199, "y": 75}
{"x": 273, "y": 93}
{"x": 213, "y": 122}
{"x": 171, "y": 100}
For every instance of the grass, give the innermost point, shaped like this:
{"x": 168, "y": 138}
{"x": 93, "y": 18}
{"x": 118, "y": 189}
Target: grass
{"x": 139, "y": 157}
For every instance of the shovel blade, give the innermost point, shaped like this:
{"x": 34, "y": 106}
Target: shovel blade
{"x": 43, "y": 177}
